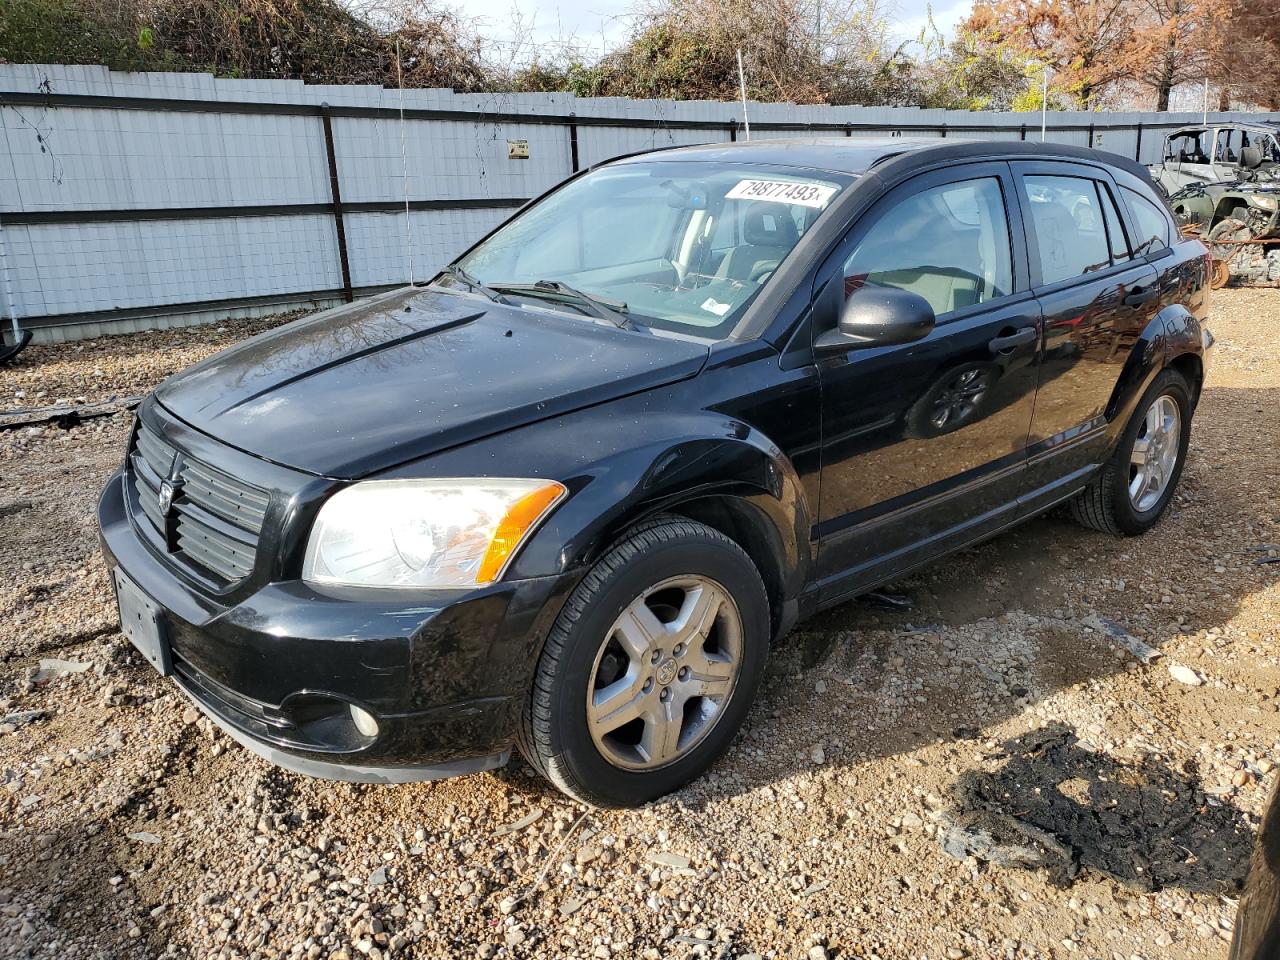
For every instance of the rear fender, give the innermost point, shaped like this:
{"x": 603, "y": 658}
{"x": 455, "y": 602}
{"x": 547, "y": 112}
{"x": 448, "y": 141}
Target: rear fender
{"x": 1173, "y": 333}
{"x": 1145, "y": 361}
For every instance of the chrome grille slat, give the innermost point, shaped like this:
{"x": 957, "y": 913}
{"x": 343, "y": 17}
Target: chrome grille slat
{"x": 145, "y": 472}
{"x": 157, "y": 453}
{"x": 195, "y": 513}
{"x": 217, "y": 518}
{"x": 223, "y": 556}
{"x": 152, "y": 509}
{"x": 223, "y": 496}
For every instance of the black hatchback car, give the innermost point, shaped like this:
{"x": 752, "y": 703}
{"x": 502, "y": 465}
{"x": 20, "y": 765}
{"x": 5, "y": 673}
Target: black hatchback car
{"x": 566, "y": 495}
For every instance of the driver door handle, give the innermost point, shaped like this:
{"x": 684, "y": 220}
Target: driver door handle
{"x": 1139, "y": 296}
{"x": 1015, "y": 339}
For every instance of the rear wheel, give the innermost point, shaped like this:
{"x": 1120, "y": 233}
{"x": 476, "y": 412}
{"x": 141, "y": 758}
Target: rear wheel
{"x": 650, "y": 668}
{"x": 1128, "y": 495}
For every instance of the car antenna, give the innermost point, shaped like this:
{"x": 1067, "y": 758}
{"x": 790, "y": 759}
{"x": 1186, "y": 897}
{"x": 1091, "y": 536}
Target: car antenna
{"x": 742, "y": 85}
{"x": 404, "y": 164}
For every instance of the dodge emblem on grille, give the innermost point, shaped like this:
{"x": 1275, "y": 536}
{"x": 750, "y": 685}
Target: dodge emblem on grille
{"x": 168, "y": 490}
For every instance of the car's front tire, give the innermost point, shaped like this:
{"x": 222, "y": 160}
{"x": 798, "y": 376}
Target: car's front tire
{"x": 650, "y": 667}
{"x": 1131, "y": 491}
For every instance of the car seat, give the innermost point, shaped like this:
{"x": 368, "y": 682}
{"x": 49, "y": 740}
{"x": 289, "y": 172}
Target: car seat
{"x": 768, "y": 234}
{"x": 1058, "y": 238}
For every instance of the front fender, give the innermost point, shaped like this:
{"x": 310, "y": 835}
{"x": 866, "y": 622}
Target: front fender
{"x": 712, "y": 456}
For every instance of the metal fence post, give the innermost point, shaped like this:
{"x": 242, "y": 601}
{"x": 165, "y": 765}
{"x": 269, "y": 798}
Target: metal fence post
{"x": 335, "y": 201}
{"x": 944, "y": 131}
{"x": 1022, "y": 131}
{"x": 573, "y": 141}
{"x": 1137, "y": 147}
{"x": 1091, "y": 136}
{"x": 733, "y": 130}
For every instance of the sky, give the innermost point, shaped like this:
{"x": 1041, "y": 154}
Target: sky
{"x": 602, "y": 24}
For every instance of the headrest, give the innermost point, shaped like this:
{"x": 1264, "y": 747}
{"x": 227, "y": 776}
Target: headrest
{"x": 769, "y": 225}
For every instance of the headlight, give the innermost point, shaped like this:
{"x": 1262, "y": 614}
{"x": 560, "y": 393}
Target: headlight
{"x": 425, "y": 533}
{"x": 1264, "y": 202}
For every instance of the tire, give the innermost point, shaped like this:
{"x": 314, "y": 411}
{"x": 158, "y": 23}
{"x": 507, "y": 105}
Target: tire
{"x": 1108, "y": 503}
{"x": 1223, "y": 239}
{"x": 678, "y": 570}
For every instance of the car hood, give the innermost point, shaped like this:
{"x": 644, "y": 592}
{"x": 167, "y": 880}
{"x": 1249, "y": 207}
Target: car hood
{"x": 372, "y": 385}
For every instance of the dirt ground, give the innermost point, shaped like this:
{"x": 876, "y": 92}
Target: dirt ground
{"x": 988, "y": 773}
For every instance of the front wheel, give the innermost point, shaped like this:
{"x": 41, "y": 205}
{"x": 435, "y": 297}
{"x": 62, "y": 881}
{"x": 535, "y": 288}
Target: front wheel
{"x": 1131, "y": 491}
{"x": 650, "y": 668}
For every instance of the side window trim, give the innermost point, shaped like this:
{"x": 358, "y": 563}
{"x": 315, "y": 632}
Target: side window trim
{"x": 1171, "y": 226}
{"x": 1061, "y": 168}
{"x": 1107, "y": 194}
{"x": 833, "y": 263}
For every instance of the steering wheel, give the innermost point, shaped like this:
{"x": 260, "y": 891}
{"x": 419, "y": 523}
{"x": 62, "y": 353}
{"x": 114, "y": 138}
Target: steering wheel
{"x": 762, "y": 272}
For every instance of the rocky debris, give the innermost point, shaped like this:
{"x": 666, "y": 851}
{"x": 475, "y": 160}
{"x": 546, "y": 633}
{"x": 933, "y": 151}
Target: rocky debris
{"x": 12, "y": 721}
{"x": 52, "y": 668}
{"x": 527, "y": 820}
{"x": 1256, "y": 263}
{"x": 1128, "y": 641}
{"x": 667, "y": 859}
{"x": 1184, "y": 674}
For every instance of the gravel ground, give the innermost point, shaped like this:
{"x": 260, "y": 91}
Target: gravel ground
{"x": 993, "y": 772}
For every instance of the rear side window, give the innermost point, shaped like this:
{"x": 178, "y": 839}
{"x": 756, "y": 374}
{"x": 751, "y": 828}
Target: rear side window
{"x": 1152, "y": 224}
{"x": 949, "y": 244}
{"x": 1069, "y": 223}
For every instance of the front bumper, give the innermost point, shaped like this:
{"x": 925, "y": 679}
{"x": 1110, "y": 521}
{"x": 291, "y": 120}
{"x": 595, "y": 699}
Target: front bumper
{"x": 442, "y": 672}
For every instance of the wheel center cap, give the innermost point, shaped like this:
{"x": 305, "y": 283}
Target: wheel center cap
{"x": 666, "y": 671}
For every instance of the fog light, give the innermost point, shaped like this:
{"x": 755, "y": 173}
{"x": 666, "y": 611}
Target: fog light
{"x": 364, "y": 721}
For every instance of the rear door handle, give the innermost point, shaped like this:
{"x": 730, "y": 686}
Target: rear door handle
{"x": 1015, "y": 339}
{"x": 1139, "y": 297}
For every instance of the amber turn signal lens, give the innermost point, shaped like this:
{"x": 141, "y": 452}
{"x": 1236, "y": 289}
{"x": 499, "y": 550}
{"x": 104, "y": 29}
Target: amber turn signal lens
{"x": 518, "y": 521}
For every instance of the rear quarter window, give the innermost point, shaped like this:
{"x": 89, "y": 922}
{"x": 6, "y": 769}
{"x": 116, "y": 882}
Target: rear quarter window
{"x": 1153, "y": 231}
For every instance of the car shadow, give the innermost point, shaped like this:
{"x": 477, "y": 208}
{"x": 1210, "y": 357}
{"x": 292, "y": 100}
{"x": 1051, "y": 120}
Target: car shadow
{"x": 1057, "y": 803}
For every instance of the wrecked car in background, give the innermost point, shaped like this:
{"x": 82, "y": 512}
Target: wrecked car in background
{"x": 1223, "y": 183}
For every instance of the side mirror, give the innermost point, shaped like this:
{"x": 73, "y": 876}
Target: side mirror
{"x": 1250, "y": 158}
{"x": 878, "y": 317}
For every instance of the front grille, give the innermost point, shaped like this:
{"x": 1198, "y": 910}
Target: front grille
{"x": 214, "y": 520}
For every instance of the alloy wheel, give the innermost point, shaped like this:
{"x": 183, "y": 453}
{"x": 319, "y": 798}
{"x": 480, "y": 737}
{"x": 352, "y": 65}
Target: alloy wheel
{"x": 664, "y": 673}
{"x": 1155, "y": 453}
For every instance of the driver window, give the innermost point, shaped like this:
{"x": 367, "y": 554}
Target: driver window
{"x": 1186, "y": 148}
{"x": 949, "y": 244}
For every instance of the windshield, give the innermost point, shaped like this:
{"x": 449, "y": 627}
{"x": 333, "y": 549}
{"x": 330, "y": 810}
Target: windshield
{"x": 682, "y": 246}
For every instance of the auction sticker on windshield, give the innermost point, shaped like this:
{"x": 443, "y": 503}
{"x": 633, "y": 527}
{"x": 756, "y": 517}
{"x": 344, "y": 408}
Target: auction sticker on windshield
{"x": 783, "y": 191}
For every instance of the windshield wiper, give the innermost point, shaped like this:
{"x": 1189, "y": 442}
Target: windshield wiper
{"x": 455, "y": 271}
{"x": 612, "y": 310}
